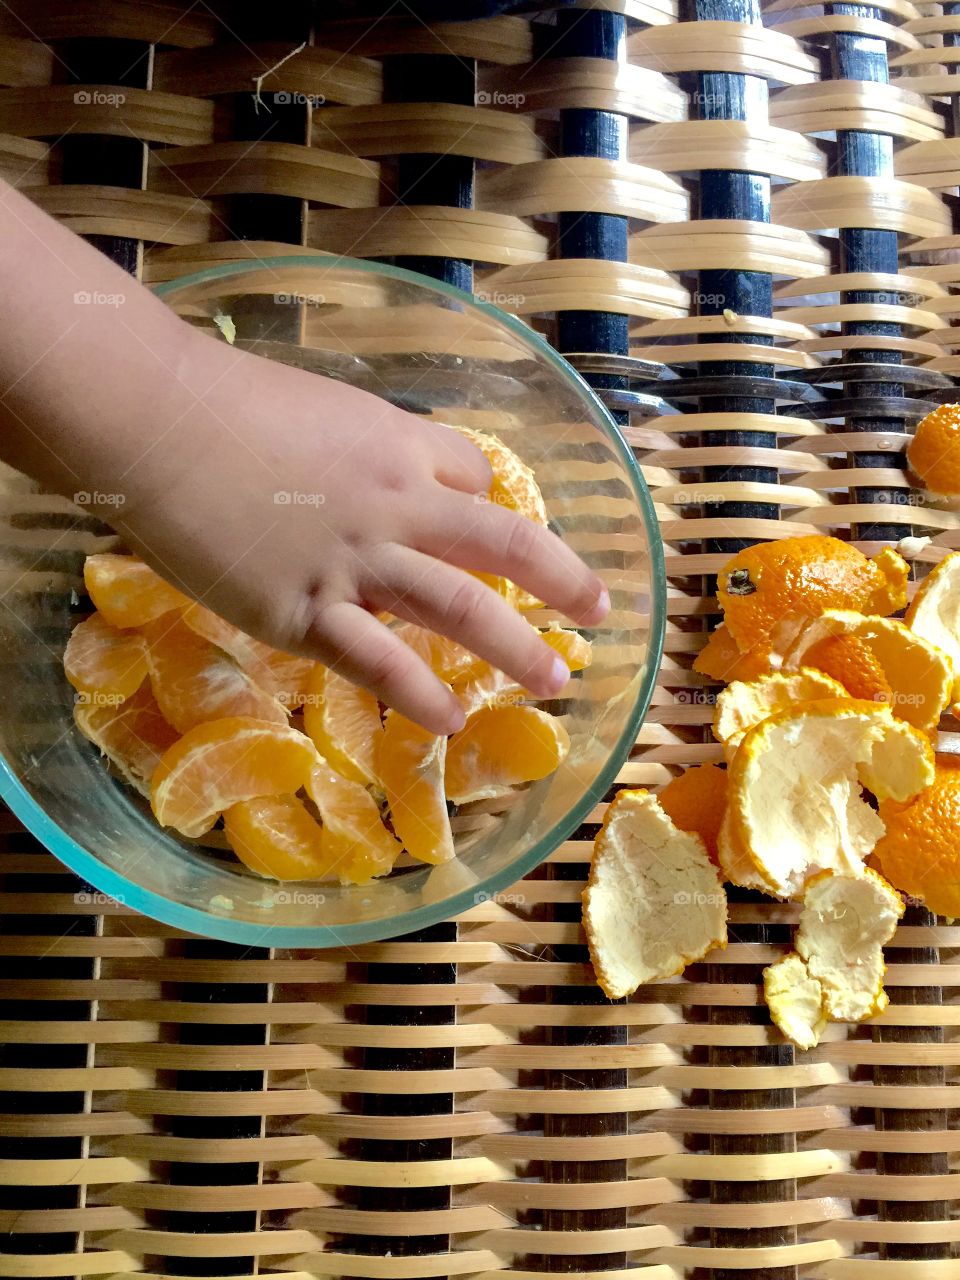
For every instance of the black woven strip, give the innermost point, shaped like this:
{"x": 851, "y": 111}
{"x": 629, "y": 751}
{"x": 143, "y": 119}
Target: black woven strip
{"x": 416, "y": 180}
{"x": 113, "y": 161}
{"x": 857, "y": 57}
{"x": 586, "y": 234}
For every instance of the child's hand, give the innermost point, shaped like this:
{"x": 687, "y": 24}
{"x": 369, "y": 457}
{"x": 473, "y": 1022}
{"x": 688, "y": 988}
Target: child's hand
{"x": 293, "y": 505}
{"x": 298, "y": 508}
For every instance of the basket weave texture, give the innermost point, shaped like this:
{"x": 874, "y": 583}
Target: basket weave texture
{"x": 740, "y": 226}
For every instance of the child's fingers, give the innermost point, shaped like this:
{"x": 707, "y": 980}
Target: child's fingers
{"x": 368, "y": 653}
{"x": 458, "y": 463}
{"x": 438, "y": 596}
{"x": 491, "y": 539}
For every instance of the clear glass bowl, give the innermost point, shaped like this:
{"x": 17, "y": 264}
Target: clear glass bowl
{"x": 434, "y": 350}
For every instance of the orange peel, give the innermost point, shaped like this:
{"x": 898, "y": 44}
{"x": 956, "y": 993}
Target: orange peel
{"x": 654, "y": 902}
{"x": 916, "y": 677}
{"x": 746, "y": 703}
{"x": 795, "y": 807}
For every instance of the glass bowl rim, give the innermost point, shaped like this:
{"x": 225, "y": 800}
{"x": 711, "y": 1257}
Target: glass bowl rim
{"x": 198, "y": 922}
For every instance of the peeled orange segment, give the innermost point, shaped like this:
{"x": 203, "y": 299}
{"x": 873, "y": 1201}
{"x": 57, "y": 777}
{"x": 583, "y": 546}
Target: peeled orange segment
{"x": 483, "y": 684}
{"x": 696, "y": 801}
{"x": 501, "y": 747}
{"x": 722, "y": 660}
{"x": 194, "y": 681}
{"x": 99, "y": 659}
{"x": 934, "y": 613}
{"x": 443, "y": 656}
{"x": 132, "y": 735}
{"x": 890, "y": 663}
{"x": 344, "y": 723}
{"x": 357, "y": 846}
{"x": 276, "y": 837}
{"x": 934, "y": 451}
{"x": 282, "y": 675}
{"x": 804, "y": 576}
{"x": 744, "y": 704}
{"x": 411, "y": 765}
{"x": 514, "y": 483}
{"x": 654, "y": 902}
{"x": 795, "y": 807}
{"x": 486, "y": 686}
{"x": 795, "y": 1001}
{"x": 843, "y": 926}
{"x": 919, "y": 852}
{"x": 222, "y": 762}
{"x": 127, "y": 592}
{"x": 575, "y": 649}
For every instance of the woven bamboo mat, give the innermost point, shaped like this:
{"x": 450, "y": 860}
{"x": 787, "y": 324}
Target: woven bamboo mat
{"x": 741, "y": 227}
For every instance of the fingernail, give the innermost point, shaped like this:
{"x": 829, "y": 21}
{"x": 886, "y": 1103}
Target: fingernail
{"x": 559, "y": 675}
{"x": 456, "y": 721}
{"x": 599, "y": 610}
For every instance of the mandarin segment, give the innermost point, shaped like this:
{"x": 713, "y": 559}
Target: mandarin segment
{"x": 276, "y": 837}
{"x": 764, "y": 584}
{"x": 356, "y": 845}
{"x": 514, "y": 483}
{"x": 126, "y": 591}
{"x": 133, "y": 735}
{"x": 344, "y": 723}
{"x": 501, "y": 747}
{"x": 194, "y": 681}
{"x": 282, "y": 675}
{"x": 696, "y": 801}
{"x": 654, "y": 902}
{"x": 100, "y": 659}
{"x": 223, "y": 762}
{"x": 445, "y": 657}
{"x": 411, "y": 765}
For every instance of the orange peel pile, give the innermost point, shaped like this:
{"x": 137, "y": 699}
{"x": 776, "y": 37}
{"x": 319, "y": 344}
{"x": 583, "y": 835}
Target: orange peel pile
{"x": 826, "y": 725}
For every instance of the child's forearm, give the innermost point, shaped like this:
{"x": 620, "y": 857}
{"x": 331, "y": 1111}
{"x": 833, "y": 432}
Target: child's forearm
{"x": 81, "y": 345}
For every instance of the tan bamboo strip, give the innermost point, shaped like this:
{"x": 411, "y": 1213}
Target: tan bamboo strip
{"x": 270, "y": 168}
{"x": 861, "y": 202}
{"x": 854, "y": 104}
{"x": 23, "y": 161}
{"x": 503, "y": 40}
{"x": 566, "y": 183}
{"x": 117, "y": 211}
{"x": 430, "y": 230}
{"x": 150, "y": 22}
{"x": 551, "y": 84}
{"x": 690, "y": 145}
{"x": 237, "y": 68}
{"x": 24, "y": 62}
{"x": 723, "y": 46}
{"x": 903, "y": 9}
{"x": 104, "y": 109}
{"x": 585, "y": 284}
{"x": 872, "y": 28}
{"x": 398, "y": 128}
{"x": 750, "y": 246}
